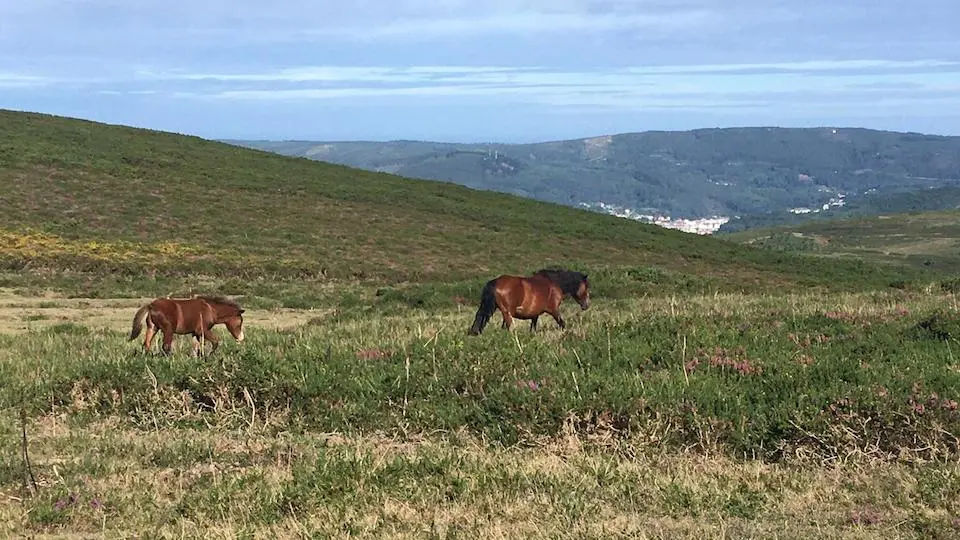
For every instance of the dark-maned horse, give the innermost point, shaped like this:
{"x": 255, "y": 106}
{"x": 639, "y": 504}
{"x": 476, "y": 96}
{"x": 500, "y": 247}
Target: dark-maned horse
{"x": 529, "y": 297}
{"x": 194, "y": 316}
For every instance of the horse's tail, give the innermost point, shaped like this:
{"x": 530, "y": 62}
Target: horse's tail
{"x": 488, "y": 304}
{"x": 138, "y": 318}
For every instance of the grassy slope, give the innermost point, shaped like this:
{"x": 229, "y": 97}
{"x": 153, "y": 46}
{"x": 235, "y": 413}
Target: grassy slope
{"x": 871, "y": 204}
{"x": 929, "y": 240}
{"x": 198, "y": 206}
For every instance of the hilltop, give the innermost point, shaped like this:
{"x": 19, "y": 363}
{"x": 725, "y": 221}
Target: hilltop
{"x": 698, "y": 173}
{"x": 88, "y": 197}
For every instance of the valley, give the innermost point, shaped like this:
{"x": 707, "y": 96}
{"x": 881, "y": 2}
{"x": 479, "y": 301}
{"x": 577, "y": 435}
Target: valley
{"x": 748, "y": 176}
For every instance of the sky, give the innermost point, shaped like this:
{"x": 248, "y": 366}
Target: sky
{"x": 468, "y": 71}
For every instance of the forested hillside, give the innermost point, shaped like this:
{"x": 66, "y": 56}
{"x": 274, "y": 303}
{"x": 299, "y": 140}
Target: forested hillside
{"x": 705, "y": 172}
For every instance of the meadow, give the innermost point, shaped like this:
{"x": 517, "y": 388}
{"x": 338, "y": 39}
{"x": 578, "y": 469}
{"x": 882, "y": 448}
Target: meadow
{"x": 916, "y": 239}
{"x": 712, "y": 389}
{"x": 758, "y": 415}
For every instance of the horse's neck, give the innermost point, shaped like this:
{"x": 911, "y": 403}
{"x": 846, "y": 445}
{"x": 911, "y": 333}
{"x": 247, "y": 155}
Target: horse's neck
{"x": 551, "y": 282}
{"x": 217, "y": 311}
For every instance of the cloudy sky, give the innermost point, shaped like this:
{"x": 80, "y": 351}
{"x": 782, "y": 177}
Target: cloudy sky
{"x": 498, "y": 70}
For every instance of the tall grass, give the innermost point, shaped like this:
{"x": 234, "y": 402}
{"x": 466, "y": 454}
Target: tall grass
{"x": 751, "y": 375}
{"x": 758, "y": 414}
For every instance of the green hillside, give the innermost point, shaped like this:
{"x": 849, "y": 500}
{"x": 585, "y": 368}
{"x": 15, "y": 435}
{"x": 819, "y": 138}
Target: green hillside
{"x": 928, "y": 240}
{"x": 86, "y": 197}
{"x": 869, "y": 204}
{"x": 703, "y": 172}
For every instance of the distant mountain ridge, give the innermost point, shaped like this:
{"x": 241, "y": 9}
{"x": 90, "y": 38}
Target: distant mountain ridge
{"x": 697, "y": 173}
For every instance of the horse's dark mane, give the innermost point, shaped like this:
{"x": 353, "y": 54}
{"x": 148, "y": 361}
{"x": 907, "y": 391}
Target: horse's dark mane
{"x": 219, "y": 300}
{"x": 568, "y": 280}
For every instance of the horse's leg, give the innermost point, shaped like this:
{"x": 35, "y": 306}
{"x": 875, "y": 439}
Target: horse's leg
{"x": 553, "y": 308}
{"x": 507, "y": 319}
{"x": 151, "y": 332}
{"x": 533, "y": 323}
{"x": 199, "y": 335}
{"x": 212, "y": 338}
{"x": 555, "y": 313}
{"x": 503, "y": 306}
{"x": 168, "y": 336}
{"x": 148, "y": 340}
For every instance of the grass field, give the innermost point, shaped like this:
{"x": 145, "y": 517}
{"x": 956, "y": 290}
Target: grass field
{"x": 751, "y": 416}
{"x": 713, "y": 389}
{"x": 929, "y": 240}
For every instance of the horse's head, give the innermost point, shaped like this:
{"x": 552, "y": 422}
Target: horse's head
{"x": 228, "y": 312}
{"x": 582, "y": 295}
{"x": 573, "y": 284}
{"x": 235, "y": 325}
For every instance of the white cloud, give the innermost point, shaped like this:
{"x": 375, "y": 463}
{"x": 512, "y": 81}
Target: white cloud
{"x": 865, "y": 77}
{"x": 364, "y": 20}
{"x": 545, "y": 76}
{"x": 14, "y": 80}
{"x": 523, "y": 23}
{"x": 866, "y": 83}
{"x": 566, "y": 97}
{"x": 805, "y": 66}
{"x": 338, "y": 74}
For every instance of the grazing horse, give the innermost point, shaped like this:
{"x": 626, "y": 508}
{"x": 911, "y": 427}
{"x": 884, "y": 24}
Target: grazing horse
{"x": 195, "y": 316}
{"x": 529, "y": 297}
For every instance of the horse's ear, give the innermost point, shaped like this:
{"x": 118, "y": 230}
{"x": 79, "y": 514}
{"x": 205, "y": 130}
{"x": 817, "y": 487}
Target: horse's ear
{"x": 584, "y": 277}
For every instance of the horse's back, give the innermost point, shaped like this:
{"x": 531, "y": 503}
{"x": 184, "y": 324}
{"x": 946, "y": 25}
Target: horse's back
{"x": 530, "y": 291}
{"x": 510, "y": 284}
{"x": 165, "y": 306}
{"x": 183, "y": 313}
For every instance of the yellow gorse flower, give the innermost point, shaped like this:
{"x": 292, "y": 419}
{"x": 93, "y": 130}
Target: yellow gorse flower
{"x": 29, "y": 245}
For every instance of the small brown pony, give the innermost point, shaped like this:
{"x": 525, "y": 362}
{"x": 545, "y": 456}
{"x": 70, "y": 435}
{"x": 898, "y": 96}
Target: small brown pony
{"x": 195, "y": 316}
{"x": 529, "y": 297}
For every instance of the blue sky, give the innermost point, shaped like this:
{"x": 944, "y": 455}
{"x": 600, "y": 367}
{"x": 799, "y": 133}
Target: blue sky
{"x": 498, "y": 70}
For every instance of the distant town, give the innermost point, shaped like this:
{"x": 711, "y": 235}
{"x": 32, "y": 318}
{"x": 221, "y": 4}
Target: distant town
{"x": 834, "y": 202}
{"x": 697, "y": 226}
{"x": 708, "y": 225}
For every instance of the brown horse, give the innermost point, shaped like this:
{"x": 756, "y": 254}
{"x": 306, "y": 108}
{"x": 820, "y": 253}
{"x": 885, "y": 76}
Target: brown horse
{"x": 195, "y": 316}
{"x": 529, "y": 297}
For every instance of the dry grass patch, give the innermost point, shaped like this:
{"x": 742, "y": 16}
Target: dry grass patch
{"x": 20, "y": 313}
{"x": 392, "y": 425}
{"x": 106, "y": 478}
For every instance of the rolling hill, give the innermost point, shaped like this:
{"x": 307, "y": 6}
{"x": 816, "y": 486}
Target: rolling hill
{"x": 870, "y": 204}
{"x": 80, "y": 196}
{"x": 929, "y": 240}
{"x": 699, "y": 173}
